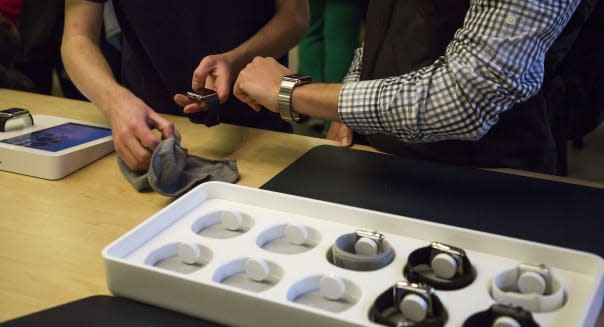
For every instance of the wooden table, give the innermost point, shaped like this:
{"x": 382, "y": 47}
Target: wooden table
{"x": 52, "y": 232}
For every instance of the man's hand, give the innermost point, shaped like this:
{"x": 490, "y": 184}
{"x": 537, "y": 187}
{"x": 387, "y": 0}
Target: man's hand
{"x": 340, "y": 133}
{"x": 259, "y": 82}
{"x": 132, "y": 122}
{"x": 214, "y": 72}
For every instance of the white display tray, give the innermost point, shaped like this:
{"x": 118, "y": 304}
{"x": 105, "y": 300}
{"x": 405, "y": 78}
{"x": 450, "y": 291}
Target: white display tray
{"x": 53, "y": 165}
{"x": 130, "y": 271}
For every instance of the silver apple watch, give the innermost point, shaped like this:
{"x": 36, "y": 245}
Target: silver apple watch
{"x": 408, "y": 304}
{"x": 441, "y": 266}
{"x": 288, "y": 83}
{"x": 501, "y": 315}
{"x": 15, "y": 118}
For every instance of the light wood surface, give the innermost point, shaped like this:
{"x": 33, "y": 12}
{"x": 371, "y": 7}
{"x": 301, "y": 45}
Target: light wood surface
{"x": 52, "y": 232}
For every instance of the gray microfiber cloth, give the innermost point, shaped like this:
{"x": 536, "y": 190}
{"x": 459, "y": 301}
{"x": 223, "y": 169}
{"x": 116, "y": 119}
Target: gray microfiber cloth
{"x": 172, "y": 172}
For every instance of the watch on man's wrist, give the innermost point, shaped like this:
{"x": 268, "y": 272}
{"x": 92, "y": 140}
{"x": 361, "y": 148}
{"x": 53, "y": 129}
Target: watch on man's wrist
{"x": 288, "y": 83}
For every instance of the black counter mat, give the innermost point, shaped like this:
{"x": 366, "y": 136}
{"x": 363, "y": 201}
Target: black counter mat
{"x": 105, "y": 311}
{"x": 549, "y": 212}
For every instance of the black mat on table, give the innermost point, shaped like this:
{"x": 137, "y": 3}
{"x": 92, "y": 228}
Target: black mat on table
{"x": 544, "y": 211}
{"x": 104, "y": 311}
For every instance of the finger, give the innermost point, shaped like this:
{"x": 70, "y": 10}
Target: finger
{"x": 237, "y": 92}
{"x": 125, "y": 154}
{"x": 332, "y": 132}
{"x": 189, "y": 106}
{"x": 345, "y": 135}
{"x": 143, "y": 135}
{"x": 182, "y": 100}
{"x": 255, "y": 105}
{"x": 243, "y": 97}
{"x": 201, "y": 73}
{"x": 165, "y": 126}
{"x": 136, "y": 156}
{"x": 223, "y": 85}
{"x": 195, "y": 107}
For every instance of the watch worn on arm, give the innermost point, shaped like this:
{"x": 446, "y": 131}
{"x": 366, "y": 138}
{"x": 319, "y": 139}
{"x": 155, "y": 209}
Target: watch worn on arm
{"x": 288, "y": 83}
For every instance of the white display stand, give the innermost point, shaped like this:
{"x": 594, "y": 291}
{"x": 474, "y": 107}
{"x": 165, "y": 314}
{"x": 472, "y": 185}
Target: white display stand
{"x": 217, "y": 228}
{"x": 42, "y": 161}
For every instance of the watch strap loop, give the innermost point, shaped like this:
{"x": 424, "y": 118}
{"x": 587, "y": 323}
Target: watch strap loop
{"x": 422, "y": 256}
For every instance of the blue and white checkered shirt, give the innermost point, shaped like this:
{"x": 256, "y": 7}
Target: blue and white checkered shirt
{"x": 493, "y": 62}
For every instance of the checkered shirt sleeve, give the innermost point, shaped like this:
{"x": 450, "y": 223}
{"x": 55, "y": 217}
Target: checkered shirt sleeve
{"x": 493, "y": 62}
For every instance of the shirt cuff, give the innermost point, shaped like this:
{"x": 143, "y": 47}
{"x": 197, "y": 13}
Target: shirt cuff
{"x": 358, "y": 106}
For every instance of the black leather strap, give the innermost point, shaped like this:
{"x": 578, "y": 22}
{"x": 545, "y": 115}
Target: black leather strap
{"x": 488, "y": 317}
{"x": 384, "y": 310}
{"x": 421, "y": 256}
{"x": 3, "y": 121}
{"x": 208, "y": 117}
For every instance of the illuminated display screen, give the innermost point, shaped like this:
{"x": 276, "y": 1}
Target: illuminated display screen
{"x": 59, "y": 137}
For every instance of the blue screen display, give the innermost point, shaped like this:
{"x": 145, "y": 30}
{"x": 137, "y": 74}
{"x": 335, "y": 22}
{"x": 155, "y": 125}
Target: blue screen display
{"x": 59, "y": 137}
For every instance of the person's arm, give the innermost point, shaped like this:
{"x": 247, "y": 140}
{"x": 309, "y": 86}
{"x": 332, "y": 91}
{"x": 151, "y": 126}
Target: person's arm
{"x": 258, "y": 85}
{"x": 283, "y": 31}
{"x": 131, "y": 119}
{"x": 338, "y": 131}
{"x": 494, "y": 61}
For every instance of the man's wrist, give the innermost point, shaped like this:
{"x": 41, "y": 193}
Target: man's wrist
{"x": 237, "y": 59}
{"x": 284, "y": 98}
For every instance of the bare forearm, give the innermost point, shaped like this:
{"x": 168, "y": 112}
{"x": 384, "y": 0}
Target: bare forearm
{"x": 285, "y": 29}
{"x": 82, "y": 56}
{"x": 89, "y": 71}
{"x": 317, "y": 100}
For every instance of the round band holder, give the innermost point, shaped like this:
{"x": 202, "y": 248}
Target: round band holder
{"x": 441, "y": 266}
{"x": 499, "y": 315}
{"x": 361, "y": 251}
{"x": 408, "y": 304}
{"x": 532, "y": 287}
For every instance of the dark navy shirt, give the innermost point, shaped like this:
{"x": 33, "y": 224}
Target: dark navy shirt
{"x": 164, "y": 41}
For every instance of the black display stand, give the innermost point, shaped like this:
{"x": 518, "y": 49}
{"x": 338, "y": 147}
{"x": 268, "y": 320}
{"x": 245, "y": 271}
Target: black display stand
{"x": 549, "y": 212}
{"x": 105, "y": 311}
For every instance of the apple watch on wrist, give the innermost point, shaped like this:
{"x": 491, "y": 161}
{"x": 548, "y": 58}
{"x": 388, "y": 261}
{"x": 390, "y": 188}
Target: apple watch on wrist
{"x": 15, "y": 118}
{"x": 288, "y": 83}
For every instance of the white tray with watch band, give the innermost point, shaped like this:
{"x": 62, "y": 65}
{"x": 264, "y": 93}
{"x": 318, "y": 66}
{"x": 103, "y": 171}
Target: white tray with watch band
{"x": 247, "y": 257}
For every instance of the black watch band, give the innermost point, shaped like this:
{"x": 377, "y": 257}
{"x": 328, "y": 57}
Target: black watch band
{"x": 209, "y": 117}
{"x": 497, "y": 312}
{"x": 385, "y": 309}
{"x": 418, "y": 259}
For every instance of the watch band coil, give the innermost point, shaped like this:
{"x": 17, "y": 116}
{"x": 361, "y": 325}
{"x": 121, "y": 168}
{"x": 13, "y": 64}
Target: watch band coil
{"x": 422, "y": 256}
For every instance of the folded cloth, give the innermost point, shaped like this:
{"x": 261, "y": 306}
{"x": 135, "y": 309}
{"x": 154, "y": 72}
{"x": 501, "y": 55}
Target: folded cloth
{"x": 172, "y": 172}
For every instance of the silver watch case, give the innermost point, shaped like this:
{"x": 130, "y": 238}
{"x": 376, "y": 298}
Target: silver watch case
{"x": 288, "y": 83}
